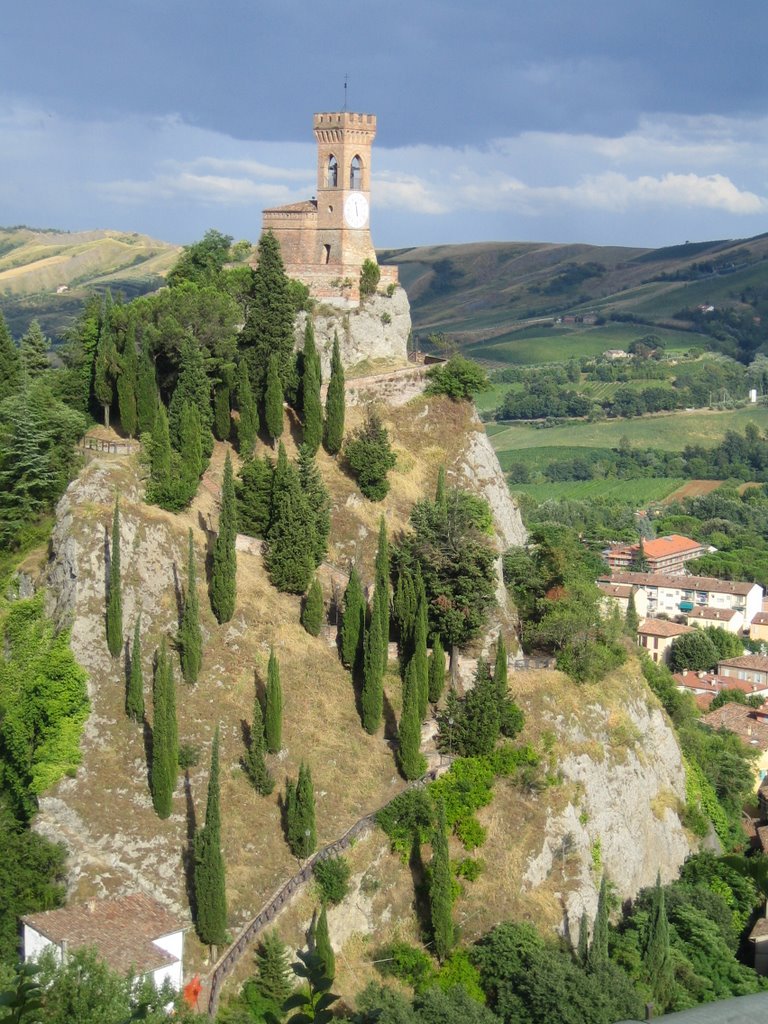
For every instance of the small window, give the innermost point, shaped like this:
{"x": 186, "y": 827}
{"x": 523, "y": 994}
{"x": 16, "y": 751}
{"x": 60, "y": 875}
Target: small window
{"x": 326, "y": 254}
{"x": 356, "y": 173}
{"x": 332, "y": 172}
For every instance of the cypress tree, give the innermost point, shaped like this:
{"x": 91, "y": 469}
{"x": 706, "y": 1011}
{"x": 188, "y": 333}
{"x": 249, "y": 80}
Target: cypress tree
{"x": 273, "y": 399}
{"x": 405, "y": 612}
{"x": 193, "y": 386}
{"x": 310, "y": 386}
{"x": 290, "y": 542}
{"x": 160, "y": 477}
{"x": 210, "y": 894}
{"x": 222, "y": 416}
{"x": 312, "y": 613}
{"x": 373, "y": 689}
{"x": 127, "y": 382}
{"x": 318, "y": 503}
{"x": 322, "y": 944}
{"x": 482, "y": 716}
{"x": 419, "y": 659}
{"x": 582, "y": 951}
{"x": 33, "y": 351}
{"x": 254, "y": 763}
{"x": 191, "y": 453}
{"x": 190, "y": 640}
{"x": 268, "y": 327}
{"x": 165, "y": 736}
{"x": 631, "y": 619}
{"x": 598, "y": 950}
{"x": 334, "y": 404}
{"x": 248, "y": 423}
{"x": 224, "y": 568}
{"x": 436, "y": 670}
{"x": 115, "y": 597}
{"x": 656, "y": 956}
{"x": 254, "y": 496}
{"x": 106, "y": 366}
{"x": 146, "y": 391}
{"x": 352, "y": 621}
{"x": 412, "y": 764}
{"x": 10, "y": 362}
{"x": 273, "y": 728}
{"x": 441, "y": 494}
{"x": 500, "y": 677}
{"x": 441, "y": 889}
{"x": 381, "y": 588}
{"x": 134, "y": 696}
{"x": 302, "y": 831}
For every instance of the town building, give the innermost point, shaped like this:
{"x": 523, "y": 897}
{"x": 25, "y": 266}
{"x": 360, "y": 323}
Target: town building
{"x": 658, "y": 635}
{"x": 664, "y": 554}
{"x": 678, "y": 595}
{"x": 131, "y": 934}
{"x": 616, "y": 595}
{"x": 326, "y": 239}
{"x": 705, "y": 686}
{"x": 729, "y": 619}
{"x": 752, "y": 668}
{"x": 758, "y": 627}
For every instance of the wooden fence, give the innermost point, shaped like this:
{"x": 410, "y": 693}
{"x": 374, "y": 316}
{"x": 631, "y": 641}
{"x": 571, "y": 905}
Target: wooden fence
{"x": 99, "y": 444}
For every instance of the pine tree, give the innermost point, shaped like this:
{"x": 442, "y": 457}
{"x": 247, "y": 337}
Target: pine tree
{"x": 146, "y": 391}
{"x": 273, "y": 399}
{"x": 10, "y": 362}
{"x": 312, "y": 409}
{"x": 322, "y": 944}
{"x": 254, "y": 496}
{"x": 127, "y": 382}
{"x": 598, "y": 950}
{"x": 33, "y": 350}
{"x": 193, "y": 385}
{"x": 353, "y": 621}
{"x": 254, "y": 763}
{"x": 248, "y": 423}
{"x": 412, "y": 764}
{"x": 436, "y": 670}
{"x": 165, "y": 735}
{"x": 303, "y": 836}
{"x": 318, "y": 503}
{"x": 334, "y": 404}
{"x": 631, "y": 619}
{"x": 115, "y": 596}
{"x": 273, "y": 727}
{"x": 268, "y": 327}
{"x": 274, "y": 978}
{"x": 381, "y": 588}
{"x": 441, "y": 890}
{"x": 190, "y": 452}
{"x": 224, "y": 564}
{"x": 210, "y": 893}
{"x": 222, "y": 417}
{"x": 190, "y": 640}
{"x": 134, "y": 696}
{"x": 419, "y": 659}
{"x": 656, "y": 956}
{"x": 312, "y": 613}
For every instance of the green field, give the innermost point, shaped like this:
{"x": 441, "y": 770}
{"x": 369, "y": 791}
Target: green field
{"x": 668, "y": 431}
{"x": 634, "y": 492}
{"x": 543, "y": 344}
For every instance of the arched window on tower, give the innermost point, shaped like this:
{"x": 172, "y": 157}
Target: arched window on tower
{"x": 356, "y": 173}
{"x": 332, "y": 172}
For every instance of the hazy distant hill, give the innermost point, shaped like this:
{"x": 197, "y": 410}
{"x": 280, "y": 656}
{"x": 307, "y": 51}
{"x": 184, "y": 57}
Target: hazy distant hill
{"x": 484, "y": 290}
{"x": 36, "y": 264}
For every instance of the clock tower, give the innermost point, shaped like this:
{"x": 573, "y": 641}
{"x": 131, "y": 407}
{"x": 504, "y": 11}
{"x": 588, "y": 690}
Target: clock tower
{"x": 326, "y": 240}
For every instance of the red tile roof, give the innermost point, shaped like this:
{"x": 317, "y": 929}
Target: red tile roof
{"x": 121, "y": 929}
{"x": 703, "y": 583}
{"x": 713, "y": 614}
{"x": 674, "y": 544}
{"x": 661, "y": 627}
{"x": 742, "y": 720}
{"x": 758, "y": 662}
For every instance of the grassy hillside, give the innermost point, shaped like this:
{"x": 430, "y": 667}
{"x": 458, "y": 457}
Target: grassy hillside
{"x": 499, "y": 300}
{"x": 34, "y": 265}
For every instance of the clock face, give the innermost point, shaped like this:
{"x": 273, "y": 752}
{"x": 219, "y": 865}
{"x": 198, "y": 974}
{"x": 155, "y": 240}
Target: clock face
{"x": 356, "y": 210}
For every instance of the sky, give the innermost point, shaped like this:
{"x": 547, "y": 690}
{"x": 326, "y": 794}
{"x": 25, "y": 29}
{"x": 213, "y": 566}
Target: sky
{"x": 631, "y": 122}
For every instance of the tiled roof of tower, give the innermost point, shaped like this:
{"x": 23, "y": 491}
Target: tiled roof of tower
{"x": 305, "y": 206}
{"x": 121, "y": 929}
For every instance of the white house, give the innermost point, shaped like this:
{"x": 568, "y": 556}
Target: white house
{"x": 678, "y": 595}
{"x": 131, "y": 934}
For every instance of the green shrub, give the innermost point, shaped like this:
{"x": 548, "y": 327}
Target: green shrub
{"x": 332, "y": 877}
{"x": 459, "y": 378}
{"x": 469, "y": 868}
{"x": 189, "y": 755}
{"x": 407, "y": 963}
{"x": 370, "y": 275}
